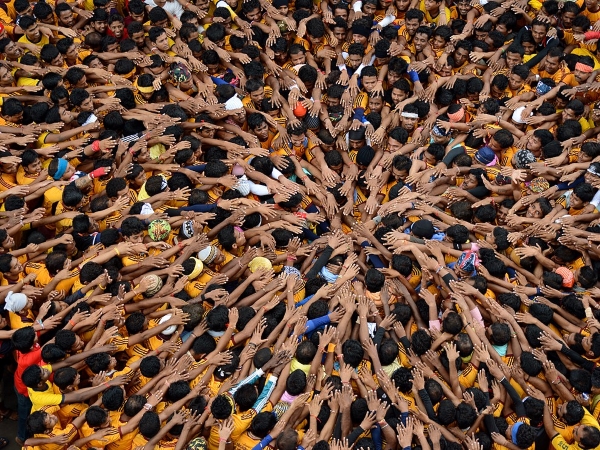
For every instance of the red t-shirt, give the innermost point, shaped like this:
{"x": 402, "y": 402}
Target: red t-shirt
{"x": 24, "y": 360}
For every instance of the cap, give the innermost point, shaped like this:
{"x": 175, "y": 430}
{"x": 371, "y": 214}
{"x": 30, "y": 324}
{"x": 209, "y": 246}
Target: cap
{"x": 485, "y": 155}
{"x": 260, "y": 262}
{"x": 170, "y": 330}
{"x": 208, "y": 254}
{"x": 159, "y": 229}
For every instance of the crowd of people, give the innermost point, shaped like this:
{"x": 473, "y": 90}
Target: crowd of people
{"x": 300, "y": 225}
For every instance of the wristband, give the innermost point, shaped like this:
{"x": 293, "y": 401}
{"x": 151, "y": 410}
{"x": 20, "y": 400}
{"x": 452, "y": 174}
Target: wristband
{"x": 71, "y": 323}
{"x": 148, "y": 406}
{"x": 97, "y": 173}
{"x": 414, "y": 76}
{"x": 117, "y": 252}
{"x": 42, "y": 324}
{"x": 96, "y": 146}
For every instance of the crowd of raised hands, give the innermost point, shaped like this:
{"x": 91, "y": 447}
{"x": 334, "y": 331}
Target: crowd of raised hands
{"x": 307, "y": 225}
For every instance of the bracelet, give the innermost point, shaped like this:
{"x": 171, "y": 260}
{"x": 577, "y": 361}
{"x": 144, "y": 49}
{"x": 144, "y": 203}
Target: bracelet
{"x": 291, "y": 257}
{"x": 71, "y": 323}
{"x": 96, "y": 146}
{"x": 117, "y": 252}
{"x": 148, "y": 406}
{"x": 103, "y": 288}
{"x": 557, "y": 381}
{"x": 42, "y": 324}
{"x": 106, "y": 384}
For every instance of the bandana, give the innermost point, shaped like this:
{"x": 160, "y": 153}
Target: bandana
{"x": 198, "y": 443}
{"x": 440, "y": 131}
{"x": 517, "y": 115}
{"x": 594, "y": 170}
{"x": 291, "y": 270}
{"x": 501, "y": 180}
{"x": 468, "y": 261}
{"x": 260, "y": 263}
{"x": 197, "y": 269}
{"x": 457, "y": 116}
{"x": 467, "y": 359}
{"x": 187, "y": 229}
{"x": 337, "y": 116}
{"x": 282, "y": 26}
{"x": 62, "y": 168}
{"x": 233, "y": 103}
{"x": 92, "y": 118}
{"x": 328, "y": 276}
{"x": 524, "y": 158}
{"x": 542, "y": 88}
{"x": 567, "y": 276}
{"x": 208, "y": 254}
{"x": 158, "y": 230}
{"x": 409, "y": 115}
{"x": 513, "y": 433}
{"x": 583, "y": 68}
{"x": 180, "y": 73}
{"x": 539, "y": 184}
{"x": 146, "y": 209}
{"x": 15, "y": 302}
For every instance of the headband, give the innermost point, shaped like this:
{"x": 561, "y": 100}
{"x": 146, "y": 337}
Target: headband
{"x": 62, "y": 168}
{"x": 409, "y": 115}
{"x": 145, "y": 89}
{"x": 439, "y": 131}
{"x": 583, "y": 68}
{"x": 129, "y": 74}
{"x": 198, "y": 267}
{"x": 457, "y": 116}
{"x": 513, "y": 433}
